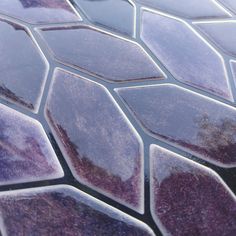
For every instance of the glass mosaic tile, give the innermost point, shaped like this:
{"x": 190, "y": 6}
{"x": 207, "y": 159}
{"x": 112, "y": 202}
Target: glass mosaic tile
{"x": 117, "y": 117}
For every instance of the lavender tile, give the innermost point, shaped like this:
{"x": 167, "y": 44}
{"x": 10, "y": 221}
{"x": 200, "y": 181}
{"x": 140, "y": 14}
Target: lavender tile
{"x": 189, "y": 199}
{"x": 102, "y": 148}
{"x": 195, "y": 123}
{"x": 233, "y": 68}
{"x": 63, "y": 210}
{"x": 40, "y": 11}
{"x": 104, "y": 55}
{"x": 215, "y": 29}
{"x": 185, "y": 54}
{"x": 23, "y": 73}
{"x": 231, "y": 4}
{"x": 25, "y": 152}
{"x": 110, "y": 13}
{"x": 188, "y": 9}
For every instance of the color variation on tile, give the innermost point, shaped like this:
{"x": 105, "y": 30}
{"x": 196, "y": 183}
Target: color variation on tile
{"x": 101, "y": 54}
{"x": 63, "y": 210}
{"x": 231, "y": 4}
{"x": 102, "y": 148}
{"x": 40, "y": 11}
{"x": 222, "y": 33}
{"x": 201, "y": 126}
{"x": 185, "y": 54}
{"x": 26, "y": 154}
{"x": 117, "y": 15}
{"x": 233, "y": 68}
{"x": 189, "y": 199}
{"x": 23, "y": 68}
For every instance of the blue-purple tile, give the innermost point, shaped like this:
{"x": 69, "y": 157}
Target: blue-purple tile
{"x": 185, "y": 54}
{"x": 26, "y": 154}
{"x": 101, "y": 147}
{"x": 40, "y": 11}
{"x": 189, "y": 9}
{"x": 197, "y": 124}
{"x": 101, "y": 54}
{"x": 231, "y": 4}
{"x": 63, "y": 210}
{"x": 117, "y": 15}
{"x": 189, "y": 199}
{"x": 23, "y": 68}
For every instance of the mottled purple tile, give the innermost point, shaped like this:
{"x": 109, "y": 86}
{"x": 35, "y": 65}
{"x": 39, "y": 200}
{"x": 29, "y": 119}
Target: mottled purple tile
{"x": 25, "y": 152}
{"x": 23, "y": 74}
{"x": 110, "y": 13}
{"x": 40, "y": 11}
{"x": 63, "y": 210}
{"x": 99, "y": 53}
{"x": 185, "y": 54}
{"x": 102, "y": 148}
{"x": 189, "y": 199}
{"x": 231, "y": 4}
{"x": 188, "y": 9}
{"x": 197, "y": 124}
{"x": 222, "y": 33}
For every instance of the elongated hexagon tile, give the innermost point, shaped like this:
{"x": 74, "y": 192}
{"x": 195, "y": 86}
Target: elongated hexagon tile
{"x": 197, "y": 124}
{"x": 188, "y": 9}
{"x": 222, "y": 33}
{"x": 63, "y": 210}
{"x": 189, "y": 199}
{"x": 25, "y": 152}
{"x": 102, "y": 13}
{"x": 230, "y": 4}
{"x": 23, "y": 74}
{"x": 185, "y": 54}
{"x": 40, "y": 11}
{"x": 101, "y": 54}
{"x": 102, "y": 148}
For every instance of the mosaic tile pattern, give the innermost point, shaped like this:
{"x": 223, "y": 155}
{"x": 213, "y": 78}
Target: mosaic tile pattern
{"x": 117, "y": 117}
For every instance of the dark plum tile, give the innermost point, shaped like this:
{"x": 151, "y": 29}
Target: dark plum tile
{"x": 63, "y": 210}
{"x": 101, "y": 147}
{"x": 40, "y": 11}
{"x": 185, "y": 54}
{"x": 116, "y": 15}
{"x": 231, "y": 4}
{"x": 197, "y": 124}
{"x": 25, "y": 152}
{"x": 23, "y": 74}
{"x": 188, "y": 9}
{"x": 102, "y": 54}
{"x": 215, "y": 29}
{"x": 189, "y": 199}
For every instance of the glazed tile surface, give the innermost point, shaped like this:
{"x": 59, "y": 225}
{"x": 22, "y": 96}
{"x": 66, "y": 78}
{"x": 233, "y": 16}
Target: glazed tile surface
{"x": 189, "y": 199}
{"x": 103, "y": 150}
{"x": 63, "y": 210}
{"x": 27, "y": 67}
{"x": 231, "y": 4}
{"x": 39, "y": 11}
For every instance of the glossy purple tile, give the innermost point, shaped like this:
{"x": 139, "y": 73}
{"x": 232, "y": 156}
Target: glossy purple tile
{"x": 101, "y": 54}
{"x": 233, "y": 68}
{"x": 102, "y": 148}
{"x": 188, "y": 9}
{"x": 189, "y": 199}
{"x": 215, "y": 29}
{"x": 25, "y": 152}
{"x": 197, "y": 124}
{"x": 23, "y": 74}
{"x": 40, "y": 11}
{"x": 185, "y": 54}
{"x": 231, "y": 4}
{"x": 63, "y": 210}
{"x": 110, "y": 13}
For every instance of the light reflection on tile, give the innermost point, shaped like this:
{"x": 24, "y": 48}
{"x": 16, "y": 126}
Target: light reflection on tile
{"x": 63, "y": 210}
{"x": 189, "y": 199}
{"x": 23, "y": 73}
{"x": 185, "y": 54}
{"x": 102, "y": 149}
{"x": 116, "y": 15}
{"x": 40, "y": 11}
{"x": 230, "y": 4}
{"x": 25, "y": 153}
{"x": 201, "y": 126}
{"x": 189, "y": 9}
{"x": 101, "y": 54}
